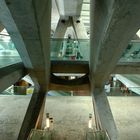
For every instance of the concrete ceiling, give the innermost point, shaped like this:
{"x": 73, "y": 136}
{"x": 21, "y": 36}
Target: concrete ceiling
{"x": 66, "y": 8}
{"x": 69, "y": 7}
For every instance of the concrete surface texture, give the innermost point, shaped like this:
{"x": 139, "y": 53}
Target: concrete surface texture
{"x": 69, "y": 8}
{"x": 70, "y": 116}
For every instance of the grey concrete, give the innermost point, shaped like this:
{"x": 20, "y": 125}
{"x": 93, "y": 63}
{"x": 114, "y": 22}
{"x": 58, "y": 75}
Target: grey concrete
{"x": 104, "y": 114}
{"x": 30, "y": 32}
{"x": 70, "y": 116}
{"x": 69, "y": 8}
{"x": 61, "y": 28}
{"x": 1, "y": 27}
{"x": 79, "y": 28}
{"x": 113, "y": 25}
{"x": 9, "y": 24}
{"x": 32, "y": 115}
{"x": 59, "y": 33}
{"x": 70, "y": 67}
{"x": 43, "y": 21}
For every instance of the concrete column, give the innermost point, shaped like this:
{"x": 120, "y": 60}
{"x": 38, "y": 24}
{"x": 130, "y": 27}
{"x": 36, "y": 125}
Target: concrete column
{"x": 105, "y": 117}
{"x": 61, "y": 28}
{"x": 32, "y": 114}
{"x": 59, "y": 36}
{"x": 1, "y": 27}
{"x": 113, "y": 25}
{"x": 42, "y": 11}
{"x": 79, "y": 28}
{"x": 10, "y": 75}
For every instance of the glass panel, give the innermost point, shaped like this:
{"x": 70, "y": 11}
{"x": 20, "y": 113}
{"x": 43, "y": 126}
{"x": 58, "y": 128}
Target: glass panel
{"x": 8, "y": 52}
{"x": 132, "y": 52}
{"x": 70, "y": 49}
{"x": 78, "y": 50}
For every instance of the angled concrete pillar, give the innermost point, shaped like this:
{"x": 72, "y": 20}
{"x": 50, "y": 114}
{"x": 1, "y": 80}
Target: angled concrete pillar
{"x": 113, "y": 25}
{"x": 30, "y": 31}
{"x": 42, "y": 11}
{"x": 40, "y": 124}
{"x": 1, "y": 27}
{"x": 11, "y": 74}
{"x": 103, "y": 113}
{"x": 77, "y": 25}
{"x": 79, "y": 28}
{"x": 61, "y": 28}
{"x": 29, "y": 25}
{"x": 59, "y": 36}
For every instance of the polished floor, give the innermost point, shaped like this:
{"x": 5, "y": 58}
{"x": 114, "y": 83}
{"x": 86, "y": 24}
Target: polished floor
{"x": 71, "y": 116}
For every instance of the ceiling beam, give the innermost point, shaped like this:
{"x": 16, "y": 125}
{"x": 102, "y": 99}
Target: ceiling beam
{"x": 69, "y": 8}
{"x": 57, "y": 83}
{"x": 29, "y": 25}
{"x": 10, "y": 75}
{"x": 32, "y": 114}
{"x": 113, "y": 24}
{"x": 69, "y": 67}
